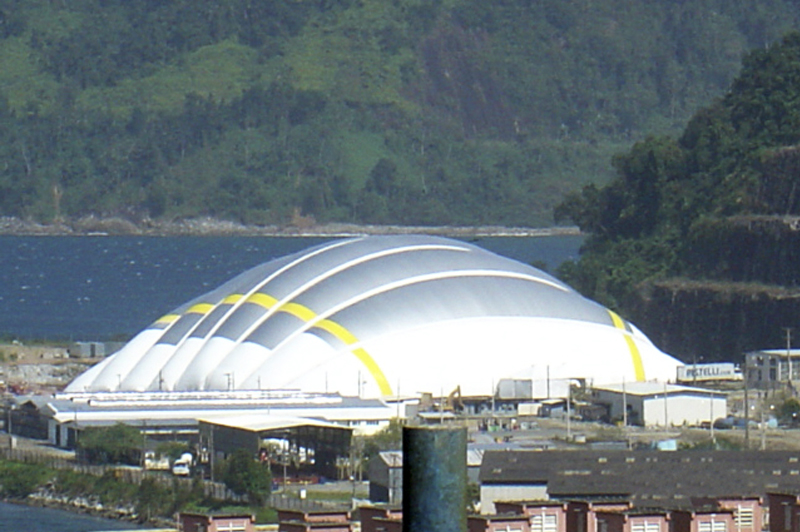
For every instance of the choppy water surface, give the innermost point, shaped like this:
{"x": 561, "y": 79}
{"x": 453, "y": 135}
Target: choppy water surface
{"x": 104, "y": 287}
{"x": 16, "y": 518}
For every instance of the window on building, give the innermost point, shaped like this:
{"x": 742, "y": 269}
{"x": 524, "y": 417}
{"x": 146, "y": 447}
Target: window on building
{"x": 744, "y": 518}
{"x": 545, "y": 523}
{"x": 231, "y": 526}
{"x": 647, "y": 526}
{"x": 711, "y": 526}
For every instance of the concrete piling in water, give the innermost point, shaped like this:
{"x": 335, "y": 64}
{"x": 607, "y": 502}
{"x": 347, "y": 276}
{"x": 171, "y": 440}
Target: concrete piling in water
{"x": 434, "y": 479}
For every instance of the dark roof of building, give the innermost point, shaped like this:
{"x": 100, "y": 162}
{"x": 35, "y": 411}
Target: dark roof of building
{"x": 654, "y": 477}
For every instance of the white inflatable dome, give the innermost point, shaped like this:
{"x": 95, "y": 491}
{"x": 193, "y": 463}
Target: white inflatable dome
{"x": 382, "y": 316}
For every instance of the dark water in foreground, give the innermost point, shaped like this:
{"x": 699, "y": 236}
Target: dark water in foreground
{"x": 107, "y": 287}
{"x": 16, "y": 518}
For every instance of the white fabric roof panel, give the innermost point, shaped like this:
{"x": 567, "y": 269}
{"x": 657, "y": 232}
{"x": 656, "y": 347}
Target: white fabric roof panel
{"x": 375, "y": 315}
{"x": 259, "y": 422}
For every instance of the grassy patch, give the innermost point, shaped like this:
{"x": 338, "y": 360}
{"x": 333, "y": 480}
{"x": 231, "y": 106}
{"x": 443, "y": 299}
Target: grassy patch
{"x": 221, "y": 70}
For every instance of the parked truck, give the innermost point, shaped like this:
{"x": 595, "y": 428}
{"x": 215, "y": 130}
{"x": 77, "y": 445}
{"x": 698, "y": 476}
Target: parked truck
{"x": 182, "y": 467}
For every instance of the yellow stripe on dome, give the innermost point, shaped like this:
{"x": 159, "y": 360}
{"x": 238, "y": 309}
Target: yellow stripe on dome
{"x": 306, "y": 315}
{"x": 347, "y": 337}
{"x": 232, "y": 299}
{"x": 299, "y": 311}
{"x": 636, "y": 356}
{"x": 167, "y": 319}
{"x": 262, "y": 300}
{"x": 200, "y": 308}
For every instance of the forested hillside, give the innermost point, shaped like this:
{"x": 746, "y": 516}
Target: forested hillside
{"x": 379, "y": 111}
{"x": 698, "y": 237}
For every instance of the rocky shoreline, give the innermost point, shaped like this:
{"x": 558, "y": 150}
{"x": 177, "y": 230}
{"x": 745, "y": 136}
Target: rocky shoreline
{"x": 91, "y": 507}
{"x": 96, "y": 226}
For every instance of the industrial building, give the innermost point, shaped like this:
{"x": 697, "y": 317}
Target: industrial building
{"x": 311, "y": 448}
{"x": 178, "y": 415}
{"x": 645, "y": 478}
{"x": 652, "y": 403}
{"x": 769, "y": 369}
{"x": 603, "y": 514}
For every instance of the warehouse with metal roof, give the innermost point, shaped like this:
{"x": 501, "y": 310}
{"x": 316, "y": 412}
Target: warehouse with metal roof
{"x": 381, "y": 316}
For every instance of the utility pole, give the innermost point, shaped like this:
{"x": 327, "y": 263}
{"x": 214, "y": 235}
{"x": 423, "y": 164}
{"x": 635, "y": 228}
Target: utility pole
{"x": 624, "y": 406}
{"x": 211, "y": 453}
{"x": 711, "y": 424}
{"x": 569, "y": 412}
{"x": 625, "y": 414}
{"x": 788, "y": 357}
{"x": 746, "y": 408}
{"x": 548, "y": 381}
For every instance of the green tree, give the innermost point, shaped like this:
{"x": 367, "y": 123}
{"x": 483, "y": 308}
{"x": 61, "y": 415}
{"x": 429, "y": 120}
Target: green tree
{"x": 641, "y": 223}
{"x": 118, "y": 444}
{"x": 172, "y": 449}
{"x": 789, "y": 411}
{"x": 389, "y": 438}
{"x": 152, "y": 499}
{"x": 244, "y": 475}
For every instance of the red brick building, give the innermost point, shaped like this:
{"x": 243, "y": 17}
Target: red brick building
{"x": 634, "y": 520}
{"x": 308, "y": 520}
{"x": 380, "y": 518}
{"x": 784, "y": 512}
{"x": 498, "y": 523}
{"x": 191, "y": 522}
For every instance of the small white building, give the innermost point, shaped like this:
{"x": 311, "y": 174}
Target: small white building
{"x": 657, "y": 403}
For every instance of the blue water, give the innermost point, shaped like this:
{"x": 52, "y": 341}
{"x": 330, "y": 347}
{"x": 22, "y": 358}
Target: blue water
{"x": 105, "y": 287}
{"x": 15, "y": 518}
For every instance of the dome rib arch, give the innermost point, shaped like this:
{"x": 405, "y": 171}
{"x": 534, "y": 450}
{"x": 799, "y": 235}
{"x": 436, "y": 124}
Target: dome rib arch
{"x": 172, "y": 368}
{"x": 322, "y": 320}
{"x": 273, "y": 306}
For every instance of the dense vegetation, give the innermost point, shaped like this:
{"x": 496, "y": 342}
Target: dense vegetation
{"x": 117, "y": 444}
{"x": 155, "y": 497}
{"x": 706, "y": 222}
{"x": 409, "y": 111}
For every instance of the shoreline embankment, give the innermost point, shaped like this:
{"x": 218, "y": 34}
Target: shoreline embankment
{"x": 96, "y": 226}
{"x": 84, "y": 506}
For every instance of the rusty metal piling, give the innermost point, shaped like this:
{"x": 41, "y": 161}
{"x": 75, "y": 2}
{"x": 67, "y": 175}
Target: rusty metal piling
{"x": 434, "y": 479}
